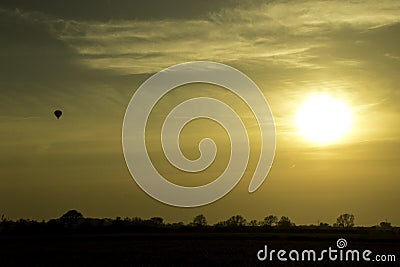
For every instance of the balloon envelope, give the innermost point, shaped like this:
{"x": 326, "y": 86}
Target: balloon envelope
{"x": 58, "y": 113}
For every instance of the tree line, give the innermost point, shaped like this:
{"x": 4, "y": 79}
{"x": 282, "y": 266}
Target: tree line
{"x": 73, "y": 220}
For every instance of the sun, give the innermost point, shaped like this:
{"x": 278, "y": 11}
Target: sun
{"x": 323, "y": 119}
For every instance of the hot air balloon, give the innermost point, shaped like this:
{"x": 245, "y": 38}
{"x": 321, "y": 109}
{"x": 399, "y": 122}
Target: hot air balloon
{"x": 58, "y": 113}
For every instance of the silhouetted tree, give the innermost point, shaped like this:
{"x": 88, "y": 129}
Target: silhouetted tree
{"x": 236, "y": 220}
{"x": 385, "y": 225}
{"x": 137, "y": 221}
{"x": 74, "y": 221}
{"x": 345, "y": 220}
{"x": 270, "y": 220}
{"x": 220, "y": 224}
{"x": 177, "y": 225}
{"x": 200, "y": 220}
{"x": 253, "y": 223}
{"x": 71, "y": 216}
{"x": 156, "y": 221}
{"x": 323, "y": 225}
{"x": 284, "y": 222}
{"x": 118, "y": 222}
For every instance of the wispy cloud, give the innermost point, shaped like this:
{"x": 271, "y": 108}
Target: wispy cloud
{"x": 273, "y": 32}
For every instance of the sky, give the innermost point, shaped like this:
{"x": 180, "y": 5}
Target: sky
{"x": 87, "y": 58}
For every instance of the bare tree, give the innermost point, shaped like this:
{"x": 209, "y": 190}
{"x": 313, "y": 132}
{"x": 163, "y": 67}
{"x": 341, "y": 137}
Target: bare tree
{"x": 236, "y": 220}
{"x": 284, "y": 221}
{"x": 200, "y": 220}
{"x": 270, "y": 220}
{"x": 345, "y": 220}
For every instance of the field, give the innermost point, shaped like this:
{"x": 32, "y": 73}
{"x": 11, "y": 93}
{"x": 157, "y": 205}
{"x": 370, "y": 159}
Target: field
{"x": 184, "y": 248}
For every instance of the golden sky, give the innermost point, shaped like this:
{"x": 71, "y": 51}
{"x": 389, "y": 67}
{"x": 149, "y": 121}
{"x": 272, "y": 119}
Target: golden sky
{"x": 89, "y": 58}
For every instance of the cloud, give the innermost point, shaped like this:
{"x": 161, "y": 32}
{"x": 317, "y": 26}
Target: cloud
{"x": 104, "y": 10}
{"x": 288, "y": 34}
{"x": 293, "y": 47}
{"x": 275, "y": 33}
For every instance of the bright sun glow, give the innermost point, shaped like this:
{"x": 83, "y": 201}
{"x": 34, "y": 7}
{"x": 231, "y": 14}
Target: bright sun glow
{"x": 323, "y": 119}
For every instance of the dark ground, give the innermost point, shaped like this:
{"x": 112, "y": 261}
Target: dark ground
{"x": 182, "y": 249}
